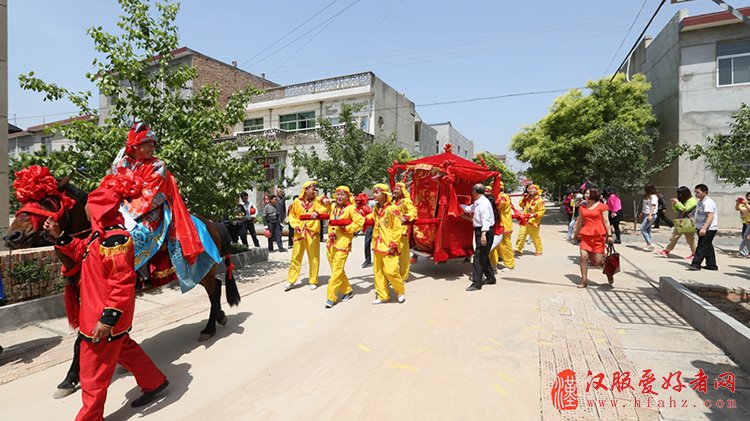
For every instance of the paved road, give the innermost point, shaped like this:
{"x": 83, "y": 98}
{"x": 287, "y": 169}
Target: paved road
{"x": 444, "y": 354}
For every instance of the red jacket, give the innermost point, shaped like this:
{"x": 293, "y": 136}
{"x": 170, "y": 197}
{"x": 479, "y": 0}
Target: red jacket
{"x": 107, "y": 287}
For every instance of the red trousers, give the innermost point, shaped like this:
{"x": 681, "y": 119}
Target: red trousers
{"x": 98, "y": 361}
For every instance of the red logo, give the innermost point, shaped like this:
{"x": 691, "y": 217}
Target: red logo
{"x": 565, "y": 391}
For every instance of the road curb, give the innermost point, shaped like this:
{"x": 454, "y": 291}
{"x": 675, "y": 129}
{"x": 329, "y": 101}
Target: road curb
{"x": 727, "y": 332}
{"x": 16, "y": 316}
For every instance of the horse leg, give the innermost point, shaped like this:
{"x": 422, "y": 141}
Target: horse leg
{"x": 213, "y": 288}
{"x": 69, "y": 385}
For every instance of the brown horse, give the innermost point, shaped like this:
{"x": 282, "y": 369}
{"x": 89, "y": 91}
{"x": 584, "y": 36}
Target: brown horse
{"x": 22, "y": 234}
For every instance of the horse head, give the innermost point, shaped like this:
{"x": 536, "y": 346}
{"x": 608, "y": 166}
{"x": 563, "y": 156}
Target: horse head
{"x": 27, "y": 229}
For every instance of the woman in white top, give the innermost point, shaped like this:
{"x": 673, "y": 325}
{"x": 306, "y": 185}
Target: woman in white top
{"x": 648, "y": 211}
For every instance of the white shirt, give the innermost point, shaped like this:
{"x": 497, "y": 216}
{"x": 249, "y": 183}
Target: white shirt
{"x": 247, "y": 207}
{"x": 705, "y": 206}
{"x": 652, "y": 200}
{"x": 484, "y": 216}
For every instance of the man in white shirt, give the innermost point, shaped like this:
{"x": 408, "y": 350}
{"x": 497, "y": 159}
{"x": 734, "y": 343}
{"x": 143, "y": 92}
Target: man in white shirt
{"x": 706, "y": 223}
{"x": 248, "y": 224}
{"x": 484, "y": 220}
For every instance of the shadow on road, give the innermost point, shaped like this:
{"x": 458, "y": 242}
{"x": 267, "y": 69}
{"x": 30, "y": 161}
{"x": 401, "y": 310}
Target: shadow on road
{"x": 26, "y": 352}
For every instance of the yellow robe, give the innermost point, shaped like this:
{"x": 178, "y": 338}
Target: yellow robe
{"x": 386, "y": 240}
{"x": 505, "y": 249}
{"x": 339, "y": 245}
{"x": 306, "y": 238}
{"x": 408, "y": 210}
{"x": 534, "y": 209}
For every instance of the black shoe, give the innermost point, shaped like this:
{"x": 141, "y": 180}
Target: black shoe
{"x": 618, "y": 241}
{"x": 691, "y": 267}
{"x": 472, "y": 288}
{"x": 148, "y": 397}
{"x": 282, "y": 250}
{"x": 366, "y": 264}
{"x": 710, "y": 268}
{"x": 490, "y": 282}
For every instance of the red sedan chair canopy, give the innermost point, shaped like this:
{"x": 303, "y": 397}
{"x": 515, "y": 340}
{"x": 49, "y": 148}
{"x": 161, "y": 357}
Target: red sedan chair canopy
{"x": 438, "y": 184}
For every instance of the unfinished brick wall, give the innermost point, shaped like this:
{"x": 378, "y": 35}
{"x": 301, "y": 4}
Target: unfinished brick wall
{"x": 229, "y": 79}
{"x": 17, "y": 290}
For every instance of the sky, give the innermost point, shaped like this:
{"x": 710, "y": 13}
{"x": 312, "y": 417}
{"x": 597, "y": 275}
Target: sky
{"x": 430, "y": 51}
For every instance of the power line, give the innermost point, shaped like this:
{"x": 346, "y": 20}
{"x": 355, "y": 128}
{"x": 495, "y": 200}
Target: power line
{"x": 635, "y": 45}
{"x": 625, "y": 37}
{"x": 312, "y": 29}
{"x": 288, "y": 33}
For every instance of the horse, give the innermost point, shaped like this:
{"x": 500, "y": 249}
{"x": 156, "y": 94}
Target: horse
{"x": 23, "y": 234}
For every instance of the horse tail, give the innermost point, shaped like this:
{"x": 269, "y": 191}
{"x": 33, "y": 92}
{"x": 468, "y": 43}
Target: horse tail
{"x": 233, "y": 294}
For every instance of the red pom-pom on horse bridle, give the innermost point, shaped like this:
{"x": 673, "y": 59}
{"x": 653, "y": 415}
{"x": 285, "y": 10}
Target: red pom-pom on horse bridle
{"x": 32, "y": 185}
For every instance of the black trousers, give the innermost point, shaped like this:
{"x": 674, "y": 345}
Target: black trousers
{"x": 705, "y": 250}
{"x": 615, "y": 222}
{"x": 290, "y": 235}
{"x": 368, "y": 244}
{"x": 482, "y": 266}
{"x": 275, "y": 228}
{"x": 249, "y": 227}
{"x": 660, "y": 216}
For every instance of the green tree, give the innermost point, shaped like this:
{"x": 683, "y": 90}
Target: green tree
{"x": 510, "y": 179}
{"x": 558, "y": 147}
{"x": 728, "y": 155}
{"x": 137, "y": 76}
{"x": 353, "y": 159}
{"x": 622, "y": 157}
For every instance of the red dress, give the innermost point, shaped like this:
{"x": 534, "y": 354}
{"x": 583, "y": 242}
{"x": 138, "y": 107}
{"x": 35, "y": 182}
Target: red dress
{"x": 593, "y": 232}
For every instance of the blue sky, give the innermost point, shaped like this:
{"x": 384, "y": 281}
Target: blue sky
{"x": 454, "y": 51}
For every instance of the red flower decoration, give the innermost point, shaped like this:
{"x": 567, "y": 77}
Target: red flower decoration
{"x": 34, "y": 183}
{"x": 125, "y": 183}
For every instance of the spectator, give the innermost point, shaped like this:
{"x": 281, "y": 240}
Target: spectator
{"x": 743, "y": 207}
{"x": 684, "y": 205}
{"x": 577, "y": 201}
{"x": 272, "y": 223}
{"x": 593, "y": 230}
{"x": 290, "y": 234}
{"x": 567, "y": 205}
{"x": 614, "y": 205}
{"x": 707, "y": 224}
{"x": 660, "y": 216}
{"x": 648, "y": 212}
{"x": 248, "y": 224}
{"x": 483, "y": 222}
{"x": 236, "y": 222}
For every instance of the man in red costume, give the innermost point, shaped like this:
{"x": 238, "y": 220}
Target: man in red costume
{"x": 107, "y": 291}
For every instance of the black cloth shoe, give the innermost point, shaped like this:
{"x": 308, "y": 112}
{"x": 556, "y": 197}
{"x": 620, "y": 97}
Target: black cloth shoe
{"x": 710, "y": 268}
{"x": 148, "y": 397}
{"x": 472, "y": 288}
{"x": 366, "y": 263}
{"x": 490, "y": 282}
{"x": 691, "y": 267}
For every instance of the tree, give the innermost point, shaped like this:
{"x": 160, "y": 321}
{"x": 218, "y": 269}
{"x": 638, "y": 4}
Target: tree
{"x": 558, "y": 147}
{"x": 728, "y": 155}
{"x": 137, "y": 76}
{"x": 622, "y": 158}
{"x": 354, "y": 158}
{"x": 510, "y": 179}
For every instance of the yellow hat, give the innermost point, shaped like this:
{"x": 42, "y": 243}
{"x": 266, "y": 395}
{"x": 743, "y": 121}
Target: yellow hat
{"x": 385, "y": 189}
{"x": 404, "y": 190}
{"x": 348, "y": 192}
{"x": 305, "y": 185}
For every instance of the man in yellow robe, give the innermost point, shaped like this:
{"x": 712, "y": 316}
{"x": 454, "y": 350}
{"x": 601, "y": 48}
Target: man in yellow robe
{"x": 386, "y": 239}
{"x": 533, "y": 211}
{"x": 408, "y": 211}
{"x": 504, "y": 249}
{"x": 303, "y": 216}
{"x": 340, "y": 243}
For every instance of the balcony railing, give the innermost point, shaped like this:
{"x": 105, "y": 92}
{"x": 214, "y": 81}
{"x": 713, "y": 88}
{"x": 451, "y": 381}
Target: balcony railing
{"x": 290, "y": 138}
{"x": 314, "y": 87}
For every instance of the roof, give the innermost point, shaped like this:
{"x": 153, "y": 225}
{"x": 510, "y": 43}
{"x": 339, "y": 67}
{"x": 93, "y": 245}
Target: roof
{"x": 13, "y": 129}
{"x": 41, "y": 127}
{"x": 712, "y": 19}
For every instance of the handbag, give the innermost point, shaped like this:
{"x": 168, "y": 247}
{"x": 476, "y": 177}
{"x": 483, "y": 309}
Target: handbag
{"x": 611, "y": 261}
{"x": 684, "y": 226}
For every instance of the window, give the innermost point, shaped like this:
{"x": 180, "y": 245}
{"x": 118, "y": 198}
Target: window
{"x": 297, "y": 121}
{"x": 733, "y": 62}
{"x": 253, "y": 124}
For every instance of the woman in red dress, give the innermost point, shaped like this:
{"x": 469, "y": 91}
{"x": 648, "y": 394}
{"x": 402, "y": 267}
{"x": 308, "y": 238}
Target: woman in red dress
{"x": 593, "y": 230}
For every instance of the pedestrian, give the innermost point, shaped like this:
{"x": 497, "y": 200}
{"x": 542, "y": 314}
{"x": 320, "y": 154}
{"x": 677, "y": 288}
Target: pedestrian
{"x": 408, "y": 211}
{"x": 684, "y": 205}
{"x": 743, "y": 207}
{"x": 533, "y": 211}
{"x": 648, "y": 212}
{"x": 706, "y": 224}
{"x": 567, "y": 204}
{"x": 303, "y": 217}
{"x": 483, "y": 222}
{"x": 235, "y": 225}
{"x": 249, "y": 220}
{"x": 386, "y": 239}
{"x": 340, "y": 244}
{"x": 614, "y": 205}
{"x": 660, "y": 215}
{"x": 577, "y": 201}
{"x": 364, "y": 209}
{"x": 593, "y": 230}
{"x": 271, "y": 215}
{"x": 504, "y": 250}
{"x": 290, "y": 230}
{"x": 107, "y": 299}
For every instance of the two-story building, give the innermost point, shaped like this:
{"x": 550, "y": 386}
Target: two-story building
{"x": 699, "y": 69}
{"x": 36, "y": 138}
{"x": 446, "y": 133}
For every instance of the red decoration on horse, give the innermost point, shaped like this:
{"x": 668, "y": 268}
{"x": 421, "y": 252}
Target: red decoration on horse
{"x": 35, "y": 183}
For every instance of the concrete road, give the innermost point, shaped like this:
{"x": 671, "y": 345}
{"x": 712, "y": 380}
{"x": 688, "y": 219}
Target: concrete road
{"x": 444, "y": 354}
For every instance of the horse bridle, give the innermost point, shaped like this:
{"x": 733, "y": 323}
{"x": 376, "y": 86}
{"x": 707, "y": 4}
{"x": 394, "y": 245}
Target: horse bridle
{"x": 59, "y": 214}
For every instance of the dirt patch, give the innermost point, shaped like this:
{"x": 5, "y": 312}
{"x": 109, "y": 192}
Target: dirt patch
{"x": 731, "y": 305}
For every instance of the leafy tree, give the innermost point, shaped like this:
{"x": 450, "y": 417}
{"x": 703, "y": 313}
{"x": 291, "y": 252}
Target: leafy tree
{"x": 623, "y": 158}
{"x": 353, "y": 158}
{"x": 138, "y": 78}
{"x": 510, "y": 179}
{"x": 723, "y": 152}
{"x": 558, "y": 147}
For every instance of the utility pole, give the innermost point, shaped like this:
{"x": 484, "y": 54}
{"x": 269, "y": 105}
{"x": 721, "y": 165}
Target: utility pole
{"x": 726, "y": 6}
{"x": 4, "y": 183}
